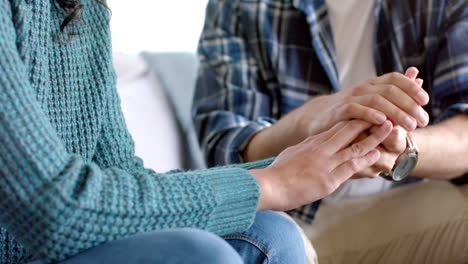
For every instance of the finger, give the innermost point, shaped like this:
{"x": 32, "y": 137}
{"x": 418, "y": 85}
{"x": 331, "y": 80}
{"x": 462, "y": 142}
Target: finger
{"x": 419, "y": 81}
{"x": 400, "y": 99}
{"x": 345, "y": 136}
{"x": 362, "y": 147}
{"x": 370, "y": 173}
{"x": 393, "y": 112}
{"x": 364, "y": 135}
{"x": 395, "y": 142}
{"x": 324, "y": 136}
{"x": 353, "y": 166}
{"x": 386, "y": 162}
{"x": 409, "y": 86}
{"x": 412, "y": 73}
{"x": 351, "y": 111}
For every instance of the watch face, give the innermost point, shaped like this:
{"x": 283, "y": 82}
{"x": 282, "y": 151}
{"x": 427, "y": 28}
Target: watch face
{"x": 404, "y": 167}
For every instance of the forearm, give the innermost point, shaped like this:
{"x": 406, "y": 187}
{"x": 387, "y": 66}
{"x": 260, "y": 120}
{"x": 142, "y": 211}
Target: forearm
{"x": 270, "y": 141}
{"x": 443, "y": 149}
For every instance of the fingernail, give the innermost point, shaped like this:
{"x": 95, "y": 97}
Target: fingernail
{"x": 386, "y": 124}
{"x": 420, "y": 82}
{"x": 428, "y": 119}
{"x": 423, "y": 116}
{"x": 412, "y": 73}
{"x": 422, "y": 97}
{"x": 410, "y": 124}
{"x": 379, "y": 118}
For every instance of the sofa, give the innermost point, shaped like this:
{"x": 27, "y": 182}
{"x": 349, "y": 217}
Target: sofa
{"x": 156, "y": 91}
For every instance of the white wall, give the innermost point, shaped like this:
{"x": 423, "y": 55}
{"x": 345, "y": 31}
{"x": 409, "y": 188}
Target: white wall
{"x": 156, "y": 25}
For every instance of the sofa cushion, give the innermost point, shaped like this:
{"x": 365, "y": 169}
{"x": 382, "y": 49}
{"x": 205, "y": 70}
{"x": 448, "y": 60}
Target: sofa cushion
{"x": 149, "y": 116}
{"x": 177, "y": 74}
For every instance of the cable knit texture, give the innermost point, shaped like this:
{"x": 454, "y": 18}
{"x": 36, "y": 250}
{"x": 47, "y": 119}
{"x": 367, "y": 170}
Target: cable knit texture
{"x": 69, "y": 179}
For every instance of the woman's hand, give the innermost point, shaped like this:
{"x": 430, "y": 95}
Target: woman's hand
{"x": 390, "y": 149}
{"x": 313, "y": 169}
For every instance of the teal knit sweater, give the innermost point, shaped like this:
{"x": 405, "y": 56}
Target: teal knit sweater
{"x": 69, "y": 179}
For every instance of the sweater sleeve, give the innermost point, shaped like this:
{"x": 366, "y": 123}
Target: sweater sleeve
{"x": 58, "y": 204}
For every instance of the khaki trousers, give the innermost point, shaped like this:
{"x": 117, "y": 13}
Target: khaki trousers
{"x": 421, "y": 223}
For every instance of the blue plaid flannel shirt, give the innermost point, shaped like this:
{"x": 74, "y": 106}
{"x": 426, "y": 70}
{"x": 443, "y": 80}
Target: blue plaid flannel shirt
{"x": 260, "y": 59}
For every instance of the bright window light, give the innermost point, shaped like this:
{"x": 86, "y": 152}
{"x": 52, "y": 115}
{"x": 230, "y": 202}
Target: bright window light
{"x": 156, "y": 25}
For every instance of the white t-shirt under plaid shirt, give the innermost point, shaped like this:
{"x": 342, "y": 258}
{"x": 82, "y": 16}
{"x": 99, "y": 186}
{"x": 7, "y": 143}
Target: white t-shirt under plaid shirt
{"x": 352, "y": 23}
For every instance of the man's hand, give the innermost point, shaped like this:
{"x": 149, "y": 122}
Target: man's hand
{"x": 317, "y": 166}
{"x": 392, "y": 147}
{"x": 393, "y": 96}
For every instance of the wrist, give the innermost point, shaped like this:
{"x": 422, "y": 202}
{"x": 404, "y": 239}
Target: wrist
{"x": 283, "y": 133}
{"x": 307, "y": 122}
{"x": 256, "y": 148}
{"x": 263, "y": 178}
{"x": 419, "y": 138}
{"x": 248, "y": 154}
{"x": 302, "y": 125}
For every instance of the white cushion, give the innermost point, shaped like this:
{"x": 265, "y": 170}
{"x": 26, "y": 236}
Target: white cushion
{"x": 148, "y": 114}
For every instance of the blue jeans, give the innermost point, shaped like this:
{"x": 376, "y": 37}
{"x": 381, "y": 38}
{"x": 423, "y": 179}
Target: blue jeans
{"x": 272, "y": 239}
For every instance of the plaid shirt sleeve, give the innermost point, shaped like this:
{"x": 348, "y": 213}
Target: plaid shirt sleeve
{"x": 450, "y": 83}
{"x": 449, "y": 91}
{"x": 231, "y": 101}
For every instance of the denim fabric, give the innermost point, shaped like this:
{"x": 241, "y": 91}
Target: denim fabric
{"x": 174, "y": 246}
{"x": 273, "y": 239}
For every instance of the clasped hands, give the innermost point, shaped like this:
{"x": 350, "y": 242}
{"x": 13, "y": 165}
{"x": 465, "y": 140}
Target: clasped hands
{"x": 393, "y": 96}
{"x": 358, "y": 132}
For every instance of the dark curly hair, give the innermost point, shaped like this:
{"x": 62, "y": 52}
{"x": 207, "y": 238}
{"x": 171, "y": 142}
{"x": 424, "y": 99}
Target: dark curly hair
{"x": 73, "y": 8}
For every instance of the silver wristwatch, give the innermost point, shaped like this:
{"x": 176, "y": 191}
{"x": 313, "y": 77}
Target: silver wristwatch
{"x": 405, "y": 163}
